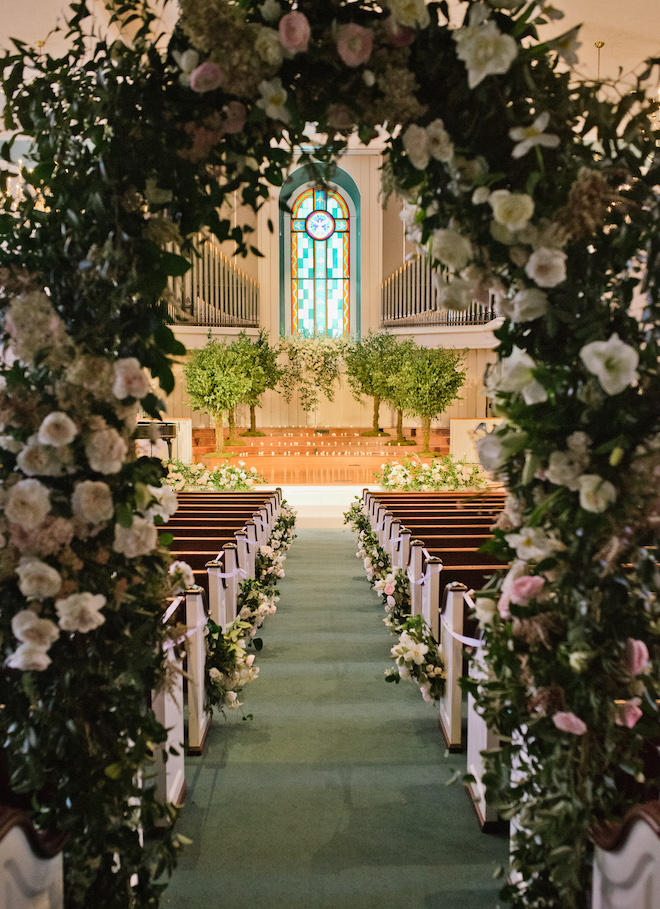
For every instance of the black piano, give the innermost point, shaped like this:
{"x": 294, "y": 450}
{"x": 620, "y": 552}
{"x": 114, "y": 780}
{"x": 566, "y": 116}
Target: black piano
{"x": 154, "y": 430}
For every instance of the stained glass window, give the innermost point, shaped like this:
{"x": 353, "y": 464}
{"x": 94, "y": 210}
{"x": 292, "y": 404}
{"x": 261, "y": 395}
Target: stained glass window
{"x": 320, "y": 264}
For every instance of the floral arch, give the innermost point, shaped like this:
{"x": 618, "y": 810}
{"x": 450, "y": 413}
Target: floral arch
{"x": 519, "y": 179}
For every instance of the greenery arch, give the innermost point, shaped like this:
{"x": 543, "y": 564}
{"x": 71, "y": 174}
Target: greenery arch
{"x": 519, "y": 179}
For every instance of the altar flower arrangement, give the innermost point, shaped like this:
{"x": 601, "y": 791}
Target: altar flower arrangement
{"x": 233, "y": 477}
{"x": 411, "y": 474}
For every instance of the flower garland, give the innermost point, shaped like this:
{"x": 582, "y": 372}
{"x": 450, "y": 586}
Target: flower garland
{"x": 417, "y": 654}
{"x": 232, "y": 477}
{"x": 445, "y": 473}
{"x": 229, "y": 666}
{"x": 518, "y": 179}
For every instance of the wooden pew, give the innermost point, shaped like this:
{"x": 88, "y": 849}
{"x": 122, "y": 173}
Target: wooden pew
{"x": 169, "y": 769}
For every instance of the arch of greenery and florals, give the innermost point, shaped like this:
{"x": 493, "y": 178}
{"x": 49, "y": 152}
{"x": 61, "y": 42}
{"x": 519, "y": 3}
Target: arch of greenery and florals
{"x": 519, "y": 179}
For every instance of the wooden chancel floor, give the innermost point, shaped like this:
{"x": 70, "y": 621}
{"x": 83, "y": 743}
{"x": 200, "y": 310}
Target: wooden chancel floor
{"x": 322, "y": 457}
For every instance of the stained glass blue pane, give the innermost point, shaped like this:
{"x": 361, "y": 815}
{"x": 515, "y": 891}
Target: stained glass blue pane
{"x": 320, "y": 259}
{"x": 303, "y": 206}
{"x": 336, "y": 257}
{"x": 298, "y": 225}
{"x": 320, "y": 307}
{"x": 319, "y": 198}
{"x": 335, "y": 302}
{"x": 340, "y": 224}
{"x": 305, "y": 254}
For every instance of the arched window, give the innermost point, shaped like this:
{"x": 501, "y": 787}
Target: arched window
{"x": 320, "y": 266}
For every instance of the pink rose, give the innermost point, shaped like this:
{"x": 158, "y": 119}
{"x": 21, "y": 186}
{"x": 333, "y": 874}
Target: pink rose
{"x": 568, "y": 722}
{"x": 388, "y": 590}
{"x": 340, "y": 117}
{"x": 206, "y": 77}
{"x": 354, "y": 44}
{"x": 399, "y": 35}
{"x": 295, "y": 32}
{"x": 526, "y": 588}
{"x": 628, "y": 713}
{"x": 234, "y": 117}
{"x": 635, "y": 657}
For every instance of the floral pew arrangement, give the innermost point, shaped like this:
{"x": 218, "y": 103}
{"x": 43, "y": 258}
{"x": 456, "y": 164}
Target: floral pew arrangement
{"x": 228, "y": 476}
{"x": 416, "y": 654}
{"x": 445, "y": 473}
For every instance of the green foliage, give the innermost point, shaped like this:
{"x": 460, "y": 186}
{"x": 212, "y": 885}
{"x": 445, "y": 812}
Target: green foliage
{"x": 367, "y": 362}
{"x": 259, "y": 363}
{"x": 215, "y": 378}
{"x": 430, "y": 380}
{"x": 312, "y": 367}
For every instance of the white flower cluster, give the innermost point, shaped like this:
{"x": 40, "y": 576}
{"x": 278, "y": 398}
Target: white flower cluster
{"x": 415, "y": 662}
{"x": 182, "y": 476}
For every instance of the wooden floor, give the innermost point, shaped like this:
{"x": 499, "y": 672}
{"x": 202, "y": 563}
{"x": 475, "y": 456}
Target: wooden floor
{"x": 318, "y": 457}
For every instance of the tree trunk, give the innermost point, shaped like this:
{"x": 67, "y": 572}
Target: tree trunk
{"x": 376, "y": 414}
{"x": 426, "y": 431}
{"x": 253, "y": 418}
{"x": 219, "y": 434}
{"x": 399, "y": 427}
{"x": 232, "y": 423}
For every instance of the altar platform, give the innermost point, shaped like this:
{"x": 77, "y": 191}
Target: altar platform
{"x": 305, "y": 456}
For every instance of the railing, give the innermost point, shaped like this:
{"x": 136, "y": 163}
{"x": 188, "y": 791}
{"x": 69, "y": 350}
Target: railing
{"x": 408, "y": 297}
{"x": 214, "y": 291}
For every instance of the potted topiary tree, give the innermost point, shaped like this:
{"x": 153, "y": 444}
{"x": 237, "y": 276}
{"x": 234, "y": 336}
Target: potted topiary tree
{"x": 430, "y": 381}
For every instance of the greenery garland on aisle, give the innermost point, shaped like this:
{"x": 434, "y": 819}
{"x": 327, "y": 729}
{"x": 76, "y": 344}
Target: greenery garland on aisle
{"x": 229, "y": 666}
{"x": 518, "y": 178}
{"x": 416, "y": 654}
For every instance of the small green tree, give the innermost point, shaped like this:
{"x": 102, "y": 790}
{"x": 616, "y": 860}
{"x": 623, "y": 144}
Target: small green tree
{"x": 215, "y": 383}
{"x": 367, "y": 371}
{"x": 395, "y": 391}
{"x": 431, "y": 379}
{"x": 260, "y": 364}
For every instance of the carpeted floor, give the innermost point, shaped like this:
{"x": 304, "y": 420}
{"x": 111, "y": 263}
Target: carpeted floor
{"x": 334, "y": 795}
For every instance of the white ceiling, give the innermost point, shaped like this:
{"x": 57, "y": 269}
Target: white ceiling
{"x": 630, "y": 29}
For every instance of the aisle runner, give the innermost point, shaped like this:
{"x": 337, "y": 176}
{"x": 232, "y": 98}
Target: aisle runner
{"x": 334, "y": 795}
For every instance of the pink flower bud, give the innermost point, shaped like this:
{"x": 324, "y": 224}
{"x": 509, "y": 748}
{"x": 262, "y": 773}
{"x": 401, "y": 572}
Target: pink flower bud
{"x": 354, "y": 44}
{"x": 635, "y": 657}
{"x": 628, "y": 713}
{"x": 526, "y": 588}
{"x": 568, "y": 722}
{"x": 399, "y": 35}
{"x": 234, "y": 117}
{"x": 206, "y": 77}
{"x": 295, "y": 32}
{"x": 388, "y": 590}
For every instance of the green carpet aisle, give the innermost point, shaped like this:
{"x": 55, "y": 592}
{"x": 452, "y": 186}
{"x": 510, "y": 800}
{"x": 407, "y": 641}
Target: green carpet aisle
{"x": 334, "y": 796}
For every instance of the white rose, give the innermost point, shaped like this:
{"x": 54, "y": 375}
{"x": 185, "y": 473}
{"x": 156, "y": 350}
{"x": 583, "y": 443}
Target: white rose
{"x": 596, "y": 494}
{"x": 29, "y": 658}
{"x": 138, "y": 539}
{"x": 511, "y": 210}
{"x": 28, "y": 628}
{"x": 9, "y": 443}
{"x": 184, "y": 572}
{"x": 91, "y": 502}
{"x": 129, "y": 379}
{"x": 80, "y": 612}
{"x": 37, "y": 579}
{"x": 416, "y": 145}
{"x": 546, "y": 266}
{"x": 410, "y": 13}
{"x": 165, "y": 505}
{"x": 40, "y": 460}
{"x": 485, "y": 51}
{"x": 451, "y": 248}
{"x": 28, "y": 504}
{"x": 269, "y": 47}
{"x": 564, "y": 469}
{"x": 57, "y": 429}
{"x": 106, "y": 450}
{"x": 480, "y": 195}
{"x": 526, "y": 305}
{"x": 454, "y": 294}
{"x": 613, "y": 362}
{"x": 516, "y": 374}
{"x": 485, "y": 609}
{"x": 270, "y": 10}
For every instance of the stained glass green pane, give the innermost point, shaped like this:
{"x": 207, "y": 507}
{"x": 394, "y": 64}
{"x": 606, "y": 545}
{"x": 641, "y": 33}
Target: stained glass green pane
{"x": 336, "y": 256}
{"x": 305, "y": 256}
{"x": 336, "y": 206}
{"x": 304, "y": 205}
{"x": 306, "y": 306}
{"x": 335, "y": 303}
{"x": 320, "y": 307}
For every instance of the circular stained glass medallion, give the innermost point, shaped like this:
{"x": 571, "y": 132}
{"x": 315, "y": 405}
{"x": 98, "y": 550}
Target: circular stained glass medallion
{"x": 320, "y": 225}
